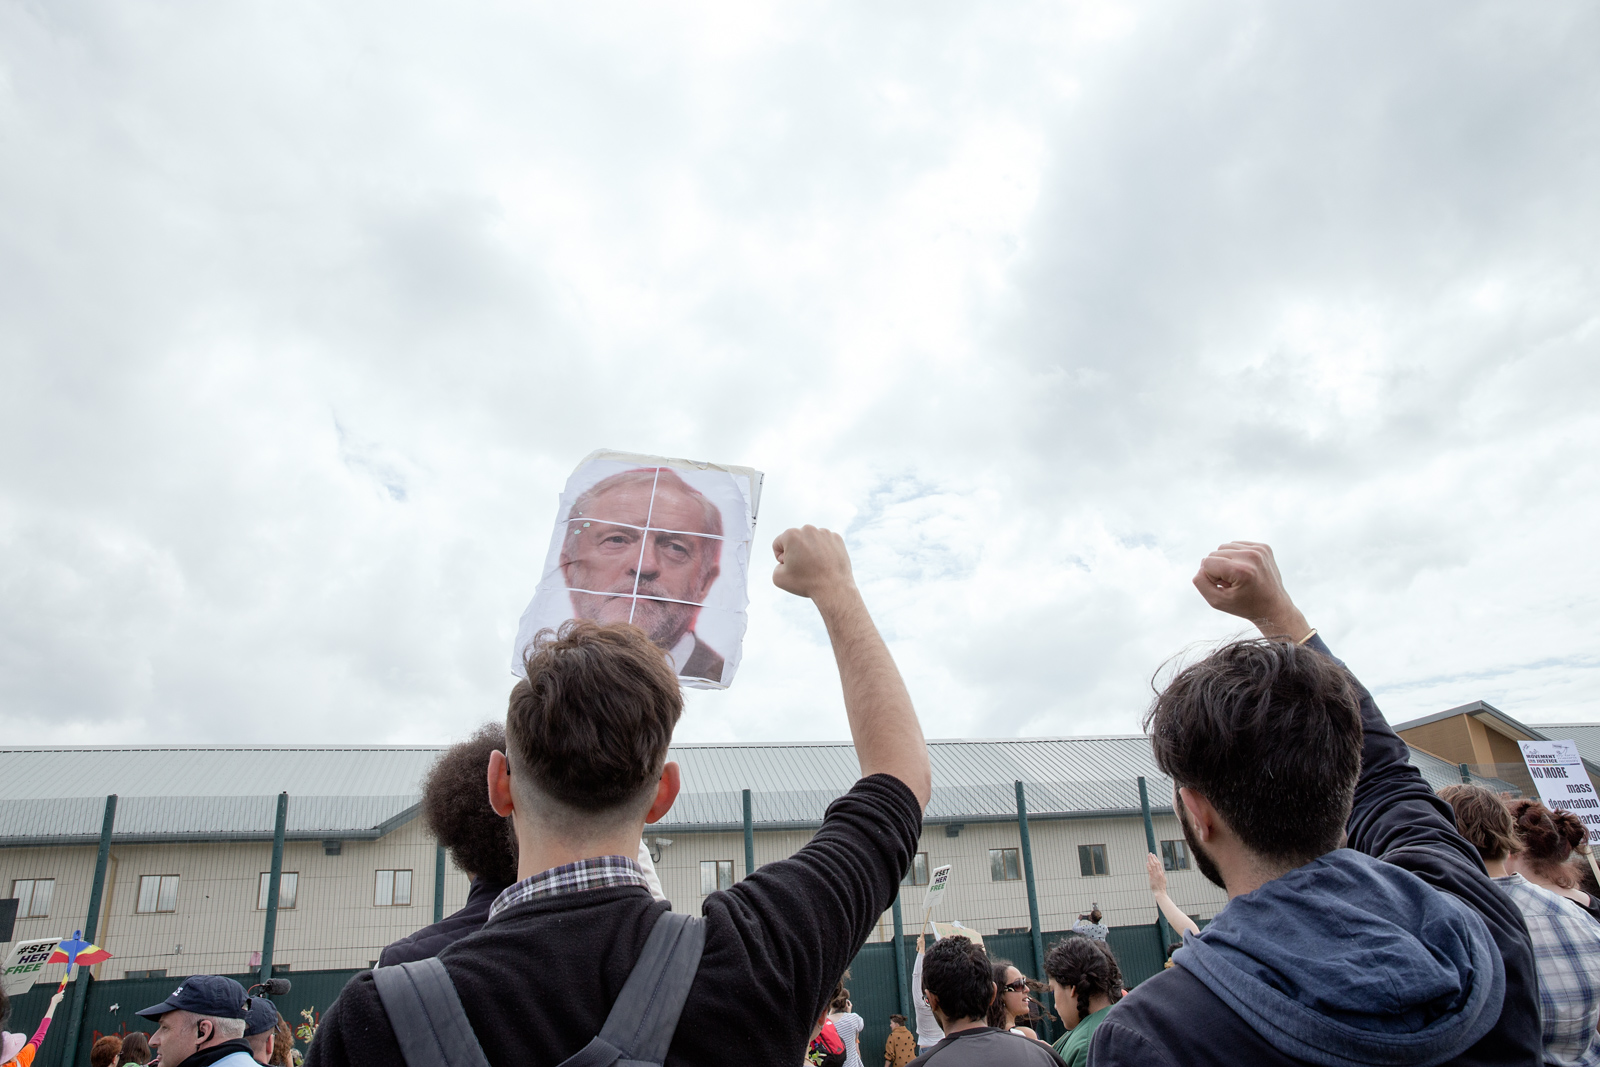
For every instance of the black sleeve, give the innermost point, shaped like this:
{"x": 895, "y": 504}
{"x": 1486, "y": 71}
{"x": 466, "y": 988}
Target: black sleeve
{"x": 1394, "y": 807}
{"x": 805, "y": 918}
{"x": 355, "y": 1030}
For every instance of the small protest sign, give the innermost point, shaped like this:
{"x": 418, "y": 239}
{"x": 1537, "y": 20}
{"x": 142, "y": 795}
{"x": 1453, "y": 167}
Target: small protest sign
{"x": 953, "y": 929}
{"x": 661, "y": 543}
{"x": 936, "y": 883}
{"x": 25, "y": 961}
{"x": 1563, "y": 782}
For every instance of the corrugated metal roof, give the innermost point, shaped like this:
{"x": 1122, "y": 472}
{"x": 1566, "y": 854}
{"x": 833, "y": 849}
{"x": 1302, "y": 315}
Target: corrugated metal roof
{"x": 56, "y": 795}
{"x": 1585, "y": 734}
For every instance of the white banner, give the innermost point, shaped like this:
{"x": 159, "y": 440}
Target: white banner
{"x": 663, "y": 544}
{"x": 26, "y": 962}
{"x": 936, "y": 884}
{"x": 1563, "y": 781}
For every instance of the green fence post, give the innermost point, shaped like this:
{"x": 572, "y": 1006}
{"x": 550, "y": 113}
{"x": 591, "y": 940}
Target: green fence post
{"x": 438, "y": 883}
{"x": 1150, "y": 839}
{"x": 902, "y": 988}
{"x": 80, "y": 988}
{"x": 1466, "y": 775}
{"x": 1033, "y": 890}
{"x": 271, "y": 932}
{"x": 749, "y": 836}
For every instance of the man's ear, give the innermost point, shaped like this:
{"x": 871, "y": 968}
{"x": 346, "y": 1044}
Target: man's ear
{"x": 933, "y": 1001}
{"x": 666, "y": 791}
{"x": 500, "y": 798}
{"x": 1203, "y": 818}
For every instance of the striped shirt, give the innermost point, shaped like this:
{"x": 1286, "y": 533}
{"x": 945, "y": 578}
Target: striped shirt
{"x": 595, "y": 873}
{"x": 1566, "y": 951}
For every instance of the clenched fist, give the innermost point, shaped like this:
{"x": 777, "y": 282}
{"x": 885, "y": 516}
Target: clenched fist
{"x": 811, "y": 562}
{"x": 1241, "y": 578}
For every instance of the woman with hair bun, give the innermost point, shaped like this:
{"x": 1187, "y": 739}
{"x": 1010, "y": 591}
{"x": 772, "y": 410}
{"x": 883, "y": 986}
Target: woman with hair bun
{"x": 1549, "y": 840}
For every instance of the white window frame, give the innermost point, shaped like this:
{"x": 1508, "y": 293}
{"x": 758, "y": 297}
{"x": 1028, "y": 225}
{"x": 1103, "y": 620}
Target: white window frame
{"x": 1010, "y": 864}
{"x": 388, "y": 892}
{"x": 288, "y": 888}
{"x": 28, "y": 906}
{"x": 160, "y": 892}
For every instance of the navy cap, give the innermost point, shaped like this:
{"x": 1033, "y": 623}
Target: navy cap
{"x": 261, "y": 1017}
{"x": 203, "y": 994}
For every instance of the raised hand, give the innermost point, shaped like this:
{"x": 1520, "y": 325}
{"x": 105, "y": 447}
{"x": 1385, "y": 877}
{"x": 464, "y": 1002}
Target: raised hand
{"x": 1241, "y": 578}
{"x": 811, "y": 562}
{"x": 1157, "y": 873}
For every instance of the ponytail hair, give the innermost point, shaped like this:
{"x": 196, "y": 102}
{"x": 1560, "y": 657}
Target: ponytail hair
{"x": 1087, "y": 967}
{"x": 1549, "y": 838}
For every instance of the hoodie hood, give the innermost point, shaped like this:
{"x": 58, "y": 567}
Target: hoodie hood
{"x": 1352, "y": 961}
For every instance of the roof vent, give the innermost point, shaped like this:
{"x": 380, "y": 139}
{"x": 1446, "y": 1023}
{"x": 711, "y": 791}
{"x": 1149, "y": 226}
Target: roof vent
{"x": 953, "y": 829}
{"x": 332, "y": 848}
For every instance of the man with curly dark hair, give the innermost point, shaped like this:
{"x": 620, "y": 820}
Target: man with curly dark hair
{"x": 1086, "y": 981}
{"x": 455, "y": 806}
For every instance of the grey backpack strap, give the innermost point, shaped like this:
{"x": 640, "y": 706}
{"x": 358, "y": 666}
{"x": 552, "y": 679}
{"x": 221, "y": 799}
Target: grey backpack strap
{"x": 642, "y": 1021}
{"x": 426, "y": 1015}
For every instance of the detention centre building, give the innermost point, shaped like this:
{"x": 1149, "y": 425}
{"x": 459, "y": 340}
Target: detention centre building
{"x": 190, "y": 838}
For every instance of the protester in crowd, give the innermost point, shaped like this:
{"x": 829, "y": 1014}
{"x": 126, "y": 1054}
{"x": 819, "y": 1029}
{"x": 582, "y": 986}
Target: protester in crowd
{"x": 1085, "y": 982}
{"x": 104, "y": 1051}
{"x": 261, "y": 1028}
{"x": 455, "y": 806}
{"x": 848, "y": 1025}
{"x": 1566, "y": 943}
{"x": 584, "y": 770}
{"x": 1550, "y": 840}
{"x": 928, "y": 1032}
{"x": 17, "y": 1049}
{"x": 1090, "y": 925}
{"x": 1013, "y": 1004}
{"x": 1397, "y": 949}
{"x": 1181, "y": 924}
{"x": 283, "y": 1054}
{"x": 135, "y": 1048}
{"x": 901, "y": 1048}
{"x": 1583, "y": 878}
{"x": 202, "y": 1023}
{"x": 958, "y": 980}
{"x": 827, "y": 1047}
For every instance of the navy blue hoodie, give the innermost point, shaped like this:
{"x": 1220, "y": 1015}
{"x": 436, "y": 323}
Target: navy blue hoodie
{"x": 1398, "y": 950}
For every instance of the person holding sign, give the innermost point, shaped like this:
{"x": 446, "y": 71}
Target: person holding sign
{"x": 18, "y": 1051}
{"x": 1361, "y": 927}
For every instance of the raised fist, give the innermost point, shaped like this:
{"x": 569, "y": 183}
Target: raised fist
{"x": 1241, "y": 578}
{"x": 811, "y": 562}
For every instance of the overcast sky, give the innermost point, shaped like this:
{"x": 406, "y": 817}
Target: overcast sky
{"x": 308, "y": 310}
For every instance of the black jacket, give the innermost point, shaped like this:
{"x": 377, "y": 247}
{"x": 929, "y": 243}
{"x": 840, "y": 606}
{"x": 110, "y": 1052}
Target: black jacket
{"x": 431, "y": 940}
{"x": 984, "y": 1046}
{"x": 1174, "y": 1019}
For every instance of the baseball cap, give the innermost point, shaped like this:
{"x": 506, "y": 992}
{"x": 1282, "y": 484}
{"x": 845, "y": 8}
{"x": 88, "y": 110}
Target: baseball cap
{"x": 203, "y": 994}
{"x": 261, "y": 1017}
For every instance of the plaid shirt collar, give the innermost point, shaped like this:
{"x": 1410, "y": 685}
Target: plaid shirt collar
{"x": 596, "y": 873}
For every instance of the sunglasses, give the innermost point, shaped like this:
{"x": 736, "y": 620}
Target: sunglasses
{"x": 1019, "y": 986}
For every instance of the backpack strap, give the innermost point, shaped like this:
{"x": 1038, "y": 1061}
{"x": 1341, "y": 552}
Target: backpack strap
{"x": 426, "y": 1015}
{"x": 639, "y": 1029}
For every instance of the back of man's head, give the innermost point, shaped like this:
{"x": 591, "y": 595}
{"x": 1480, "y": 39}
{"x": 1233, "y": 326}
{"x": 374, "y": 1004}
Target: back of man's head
{"x": 1270, "y": 734}
{"x": 587, "y": 730}
{"x": 958, "y": 972}
{"x": 1483, "y": 818}
{"x": 455, "y": 804}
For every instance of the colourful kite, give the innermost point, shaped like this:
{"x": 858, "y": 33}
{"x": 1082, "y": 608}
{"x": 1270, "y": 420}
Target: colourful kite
{"x": 75, "y": 950}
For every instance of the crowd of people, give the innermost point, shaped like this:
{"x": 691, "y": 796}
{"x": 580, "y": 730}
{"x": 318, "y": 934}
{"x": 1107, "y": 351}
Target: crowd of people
{"x": 1370, "y": 920}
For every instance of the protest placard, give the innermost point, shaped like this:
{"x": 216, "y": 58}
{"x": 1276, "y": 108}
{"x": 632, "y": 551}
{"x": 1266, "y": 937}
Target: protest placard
{"x": 953, "y": 929}
{"x": 936, "y": 883}
{"x": 1563, "y": 783}
{"x": 661, "y": 543}
{"x": 25, "y": 962}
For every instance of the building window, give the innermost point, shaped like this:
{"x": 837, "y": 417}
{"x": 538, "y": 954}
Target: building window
{"x": 1175, "y": 855}
{"x": 33, "y": 896}
{"x": 392, "y": 889}
{"x": 1004, "y": 866}
{"x": 288, "y": 882}
{"x": 918, "y": 874}
{"x": 715, "y": 875}
{"x": 1091, "y": 860}
{"x": 158, "y": 892}
{"x": 161, "y": 973}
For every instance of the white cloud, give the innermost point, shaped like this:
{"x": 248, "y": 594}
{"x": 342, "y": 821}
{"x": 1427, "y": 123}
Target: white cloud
{"x": 305, "y": 313}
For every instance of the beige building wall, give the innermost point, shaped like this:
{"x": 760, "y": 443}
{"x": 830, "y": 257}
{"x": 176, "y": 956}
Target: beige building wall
{"x": 336, "y": 925}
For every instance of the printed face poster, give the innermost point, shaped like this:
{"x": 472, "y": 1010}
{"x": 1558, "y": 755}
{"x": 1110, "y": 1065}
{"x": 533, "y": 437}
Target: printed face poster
{"x": 663, "y": 544}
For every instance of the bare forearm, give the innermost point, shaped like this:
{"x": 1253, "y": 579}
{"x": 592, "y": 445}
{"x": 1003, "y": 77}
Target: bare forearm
{"x": 1175, "y": 916}
{"x": 883, "y": 723}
